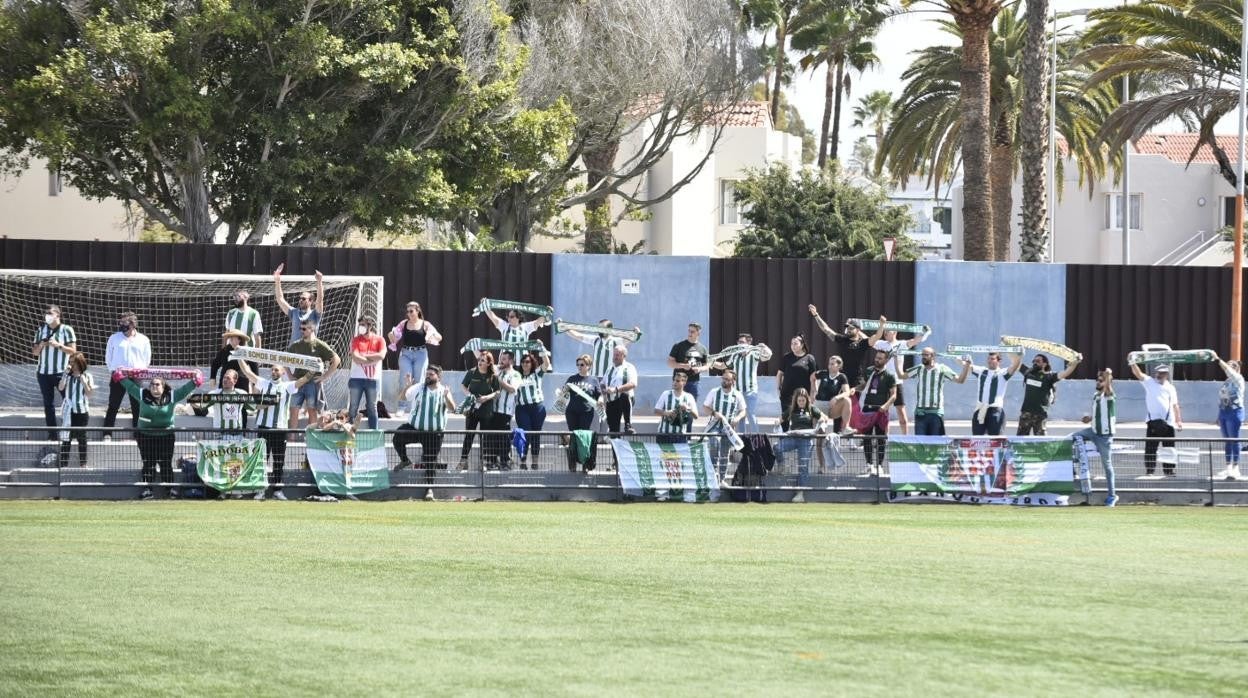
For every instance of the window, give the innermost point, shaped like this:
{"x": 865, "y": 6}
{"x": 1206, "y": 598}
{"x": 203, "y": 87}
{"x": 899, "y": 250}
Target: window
{"x": 54, "y": 182}
{"x": 1113, "y": 211}
{"x": 729, "y": 213}
{"x": 943, "y": 216}
{"x": 1228, "y": 210}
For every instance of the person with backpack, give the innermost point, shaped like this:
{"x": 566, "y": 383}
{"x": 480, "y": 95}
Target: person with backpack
{"x": 1039, "y": 392}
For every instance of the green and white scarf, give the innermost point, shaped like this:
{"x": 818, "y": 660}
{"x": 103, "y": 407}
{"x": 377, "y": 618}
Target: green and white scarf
{"x": 1061, "y": 351}
{"x": 1176, "y": 356}
{"x": 983, "y": 349}
{"x": 562, "y": 326}
{"x": 499, "y": 345}
{"x": 890, "y": 326}
{"x": 531, "y": 308}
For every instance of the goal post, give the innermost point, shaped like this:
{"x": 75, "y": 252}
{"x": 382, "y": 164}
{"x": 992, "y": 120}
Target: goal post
{"x": 182, "y": 314}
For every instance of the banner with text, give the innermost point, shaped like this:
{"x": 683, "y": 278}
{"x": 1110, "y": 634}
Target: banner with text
{"x": 666, "y": 471}
{"x": 1033, "y": 471}
{"x": 346, "y": 464}
{"x": 232, "y": 465}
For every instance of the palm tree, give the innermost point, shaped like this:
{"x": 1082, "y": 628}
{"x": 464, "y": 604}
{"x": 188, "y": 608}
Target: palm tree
{"x": 777, "y": 14}
{"x": 836, "y": 34}
{"x": 873, "y": 111}
{"x": 1183, "y": 58}
{"x": 925, "y": 135}
{"x": 1033, "y": 241}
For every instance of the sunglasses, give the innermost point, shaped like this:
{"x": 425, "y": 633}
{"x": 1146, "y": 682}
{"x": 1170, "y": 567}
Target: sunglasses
{"x": 581, "y": 363}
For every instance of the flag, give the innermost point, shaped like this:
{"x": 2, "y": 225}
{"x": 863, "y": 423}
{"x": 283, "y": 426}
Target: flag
{"x": 981, "y": 470}
{"x": 666, "y": 471}
{"x": 232, "y": 465}
{"x": 346, "y": 464}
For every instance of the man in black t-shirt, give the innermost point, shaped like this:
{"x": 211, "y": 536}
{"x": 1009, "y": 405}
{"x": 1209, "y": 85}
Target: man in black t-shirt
{"x": 688, "y": 358}
{"x": 853, "y": 346}
{"x": 1039, "y": 382}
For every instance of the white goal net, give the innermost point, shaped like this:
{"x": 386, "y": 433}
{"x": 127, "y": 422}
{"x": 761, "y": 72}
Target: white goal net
{"x": 182, "y": 314}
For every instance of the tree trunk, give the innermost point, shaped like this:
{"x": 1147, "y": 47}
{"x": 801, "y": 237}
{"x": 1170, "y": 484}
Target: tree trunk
{"x": 829, "y": 94}
{"x": 598, "y": 166}
{"x": 510, "y": 217}
{"x": 834, "y": 146}
{"x": 1002, "y": 176}
{"x": 781, "y": 39}
{"x": 975, "y": 21}
{"x": 196, "y": 212}
{"x": 1035, "y": 134}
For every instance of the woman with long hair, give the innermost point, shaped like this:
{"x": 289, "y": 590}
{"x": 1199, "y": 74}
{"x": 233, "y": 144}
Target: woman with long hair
{"x": 76, "y": 385}
{"x": 1231, "y": 416}
{"x": 1102, "y": 421}
{"x": 155, "y": 436}
{"x": 412, "y": 338}
{"x": 799, "y": 422}
{"x": 483, "y": 386}
{"x": 796, "y": 368}
{"x": 530, "y": 405}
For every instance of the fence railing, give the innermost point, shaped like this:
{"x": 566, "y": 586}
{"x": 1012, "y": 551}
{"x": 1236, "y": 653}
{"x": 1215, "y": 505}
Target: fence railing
{"x": 487, "y": 464}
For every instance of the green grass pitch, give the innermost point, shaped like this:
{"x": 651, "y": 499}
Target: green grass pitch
{"x": 409, "y": 598}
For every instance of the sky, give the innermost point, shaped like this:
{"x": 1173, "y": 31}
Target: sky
{"x": 900, "y": 35}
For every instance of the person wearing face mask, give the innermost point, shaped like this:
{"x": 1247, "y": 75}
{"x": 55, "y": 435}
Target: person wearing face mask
{"x": 155, "y": 437}
{"x": 308, "y": 307}
{"x": 245, "y": 319}
{"x": 272, "y": 420}
{"x": 368, "y": 350}
{"x": 55, "y": 342}
{"x": 127, "y": 348}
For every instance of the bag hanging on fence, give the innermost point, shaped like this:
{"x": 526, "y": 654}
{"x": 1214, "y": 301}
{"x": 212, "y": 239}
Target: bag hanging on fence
{"x": 192, "y": 485}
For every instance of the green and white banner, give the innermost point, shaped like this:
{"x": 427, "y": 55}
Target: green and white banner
{"x": 346, "y": 464}
{"x": 232, "y": 465}
{"x": 1034, "y": 471}
{"x": 666, "y": 471}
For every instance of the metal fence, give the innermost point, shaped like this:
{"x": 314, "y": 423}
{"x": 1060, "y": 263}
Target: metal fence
{"x": 486, "y": 465}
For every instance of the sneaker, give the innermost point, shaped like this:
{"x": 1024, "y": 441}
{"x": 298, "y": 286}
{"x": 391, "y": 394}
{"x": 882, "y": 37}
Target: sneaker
{"x": 1224, "y": 474}
{"x": 799, "y": 498}
{"x": 279, "y": 496}
{"x": 108, "y": 437}
{"x": 1111, "y": 500}
{"x": 259, "y": 496}
{"x": 402, "y": 464}
{"x": 146, "y": 494}
{"x": 1233, "y": 475}
{"x": 1149, "y": 476}
{"x": 429, "y": 495}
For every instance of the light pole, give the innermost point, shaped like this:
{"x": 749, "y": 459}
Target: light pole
{"x": 1237, "y": 267}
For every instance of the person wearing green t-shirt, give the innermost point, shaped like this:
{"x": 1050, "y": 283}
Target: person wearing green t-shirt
{"x": 309, "y": 396}
{"x": 155, "y": 437}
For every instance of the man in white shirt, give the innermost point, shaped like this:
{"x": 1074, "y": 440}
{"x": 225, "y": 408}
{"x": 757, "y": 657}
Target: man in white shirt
{"x": 229, "y": 416}
{"x": 1161, "y": 403}
{"x": 725, "y": 405}
{"x": 127, "y": 348}
{"x": 505, "y": 407}
{"x": 989, "y": 416}
{"x": 272, "y": 420}
{"x": 620, "y": 380}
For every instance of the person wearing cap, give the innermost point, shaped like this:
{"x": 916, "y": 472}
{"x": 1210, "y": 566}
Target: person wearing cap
{"x": 603, "y": 347}
{"x": 230, "y": 340}
{"x": 688, "y": 358}
{"x": 1161, "y": 403}
{"x": 309, "y": 396}
{"x": 1038, "y": 387}
{"x": 852, "y": 346}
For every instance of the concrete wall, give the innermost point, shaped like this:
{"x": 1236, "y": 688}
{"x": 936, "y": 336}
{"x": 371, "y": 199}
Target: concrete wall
{"x": 674, "y": 291}
{"x": 28, "y": 210}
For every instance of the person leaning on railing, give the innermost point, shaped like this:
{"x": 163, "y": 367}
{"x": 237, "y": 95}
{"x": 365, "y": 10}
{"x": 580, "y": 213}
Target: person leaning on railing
{"x": 155, "y": 437}
{"x": 1231, "y": 416}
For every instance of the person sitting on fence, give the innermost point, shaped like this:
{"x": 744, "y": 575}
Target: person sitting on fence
{"x": 155, "y": 437}
{"x": 76, "y": 385}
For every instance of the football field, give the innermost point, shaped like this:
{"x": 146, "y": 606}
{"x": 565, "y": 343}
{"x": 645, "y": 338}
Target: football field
{"x": 413, "y": 598}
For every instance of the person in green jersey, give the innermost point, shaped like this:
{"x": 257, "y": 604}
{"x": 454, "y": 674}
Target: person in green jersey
{"x": 155, "y": 437}
{"x": 928, "y": 379}
{"x": 244, "y": 318}
{"x": 431, "y": 403}
{"x": 54, "y": 343}
{"x": 1102, "y": 422}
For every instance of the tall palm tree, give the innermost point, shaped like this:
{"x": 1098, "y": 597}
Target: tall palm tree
{"x": 1034, "y": 133}
{"x": 777, "y": 15}
{"x": 873, "y": 111}
{"x": 1183, "y": 58}
{"x": 836, "y": 34}
{"x": 925, "y": 135}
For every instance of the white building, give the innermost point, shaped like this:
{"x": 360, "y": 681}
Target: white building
{"x": 38, "y": 204}
{"x": 701, "y": 218}
{"x": 933, "y": 218}
{"x": 1176, "y": 209}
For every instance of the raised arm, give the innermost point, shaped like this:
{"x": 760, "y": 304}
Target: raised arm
{"x": 1016, "y": 360}
{"x": 916, "y": 341}
{"x": 490, "y": 314}
{"x": 1135, "y": 371}
{"x": 277, "y": 289}
{"x": 966, "y": 371}
{"x": 320, "y": 293}
{"x": 1226, "y": 368}
{"x": 879, "y": 332}
{"x": 252, "y": 378}
{"x": 823, "y": 326}
{"x": 1070, "y": 368}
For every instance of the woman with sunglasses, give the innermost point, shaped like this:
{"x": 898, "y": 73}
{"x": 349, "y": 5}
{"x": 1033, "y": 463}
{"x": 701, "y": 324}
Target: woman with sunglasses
{"x": 513, "y": 328}
{"x": 580, "y": 412}
{"x": 483, "y": 384}
{"x": 1102, "y": 421}
{"x": 411, "y": 338}
{"x": 530, "y": 407}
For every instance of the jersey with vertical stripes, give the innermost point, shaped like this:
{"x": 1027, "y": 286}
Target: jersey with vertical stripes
{"x": 623, "y": 374}
{"x": 246, "y": 320}
{"x": 601, "y": 353}
{"x": 52, "y": 361}
{"x": 1104, "y": 416}
{"x": 507, "y": 401}
{"x": 667, "y": 402}
{"x": 275, "y": 416}
{"x": 991, "y": 382}
{"x": 530, "y": 390}
{"x": 227, "y": 415}
{"x": 519, "y": 333}
{"x": 729, "y": 403}
{"x": 930, "y": 387}
{"x": 746, "y": 367}
{"x": 428, "y": 407}
{"x": 76, "y": 392}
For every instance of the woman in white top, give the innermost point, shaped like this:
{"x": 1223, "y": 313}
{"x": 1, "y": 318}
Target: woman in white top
{"x": 1231, "y": 416}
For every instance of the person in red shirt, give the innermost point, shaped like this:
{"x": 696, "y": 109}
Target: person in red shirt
{"x": 368, "y": 349}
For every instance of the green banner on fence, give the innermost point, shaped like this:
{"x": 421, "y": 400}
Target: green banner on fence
{"x": 232, "y": 465}
{"x": 981, "y": 470}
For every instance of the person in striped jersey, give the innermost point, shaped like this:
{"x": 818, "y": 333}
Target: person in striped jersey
{"x": 513, "y": 329}
{"x": 531, "y": 404}
{"x": 505, "y": 410}
{"x": 678, "y": 410}
{"x": 54, "y": 343}
{"x": 989, "y": 416}
{"x": 929, "y": 379}
{"x": 231, "y": 417}
{"x": 273, "y": 420}
{"x": 726, "y": 406}
{"x": 746, "y": 367}
{"x": 603, "y": 348}
{"x": 619, "y": 384}
{"x": 431, "y": 402}
{"x": 244, "y": 318}
{"x": 76, "y": 385}
{"x": 1102, "y": 421}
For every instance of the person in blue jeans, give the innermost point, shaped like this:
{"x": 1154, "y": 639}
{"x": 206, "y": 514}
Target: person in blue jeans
{"x": 412, "y": 338}
{"x": 1231, "y": 416}
{"x": 1102, "y": 421}
{"x": 799, "y": 423}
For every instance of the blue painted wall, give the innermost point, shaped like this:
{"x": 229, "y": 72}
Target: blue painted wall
{"x": 674, "y": 292}
{"x": 977, "y": 302}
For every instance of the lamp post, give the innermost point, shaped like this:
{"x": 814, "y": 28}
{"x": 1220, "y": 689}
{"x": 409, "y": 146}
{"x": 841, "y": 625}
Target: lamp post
{"x": 1237, "y": 281}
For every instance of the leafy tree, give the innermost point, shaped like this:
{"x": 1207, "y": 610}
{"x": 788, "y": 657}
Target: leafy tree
{"x": 319, "y": 116}
{"x": 818, "y": 214}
